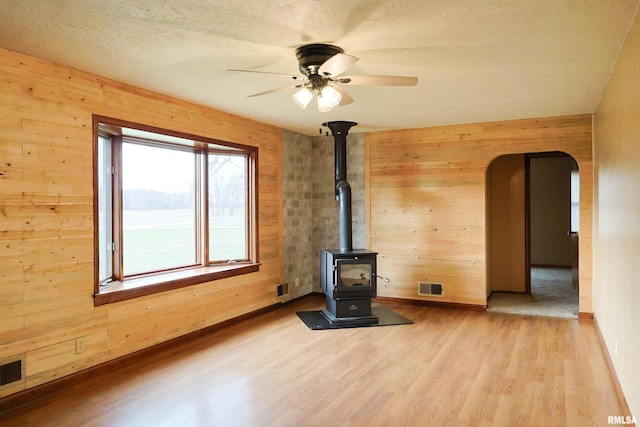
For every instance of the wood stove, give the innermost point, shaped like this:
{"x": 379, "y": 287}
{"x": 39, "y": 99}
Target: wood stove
{"x": 348, "y": 280}
{"x": 347, "y": 276}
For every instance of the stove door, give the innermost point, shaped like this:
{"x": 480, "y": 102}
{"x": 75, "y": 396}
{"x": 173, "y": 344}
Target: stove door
{"x": 355, "y": 278}
{"x": 352, "y": 274}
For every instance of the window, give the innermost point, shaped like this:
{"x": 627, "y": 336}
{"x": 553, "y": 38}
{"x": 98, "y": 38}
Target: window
{"x": 172, "y": 209}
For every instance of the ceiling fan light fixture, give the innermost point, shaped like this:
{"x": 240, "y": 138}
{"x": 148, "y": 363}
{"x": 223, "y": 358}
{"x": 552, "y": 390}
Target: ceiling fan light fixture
{"x": 322, "y": 66}
{"x": 303, "y": 97}
{"x": 328, "y": 98}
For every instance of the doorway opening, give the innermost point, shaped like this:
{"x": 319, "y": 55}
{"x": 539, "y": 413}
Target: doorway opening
{"x": 532, "y": 234}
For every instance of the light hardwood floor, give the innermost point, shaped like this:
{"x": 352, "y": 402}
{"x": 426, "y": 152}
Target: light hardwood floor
{"x": 451, "y": 367}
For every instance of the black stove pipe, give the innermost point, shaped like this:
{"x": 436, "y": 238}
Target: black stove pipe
{"x": 339, "y": 130}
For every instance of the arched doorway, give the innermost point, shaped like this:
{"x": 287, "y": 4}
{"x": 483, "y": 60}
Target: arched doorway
{"x": 532, "y": 209}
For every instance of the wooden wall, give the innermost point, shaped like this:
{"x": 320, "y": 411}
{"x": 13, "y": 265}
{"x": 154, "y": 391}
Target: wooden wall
{"x": 427, "y": 210}
{"x": 505, "y": 232}
{"x": 46, "y": 250}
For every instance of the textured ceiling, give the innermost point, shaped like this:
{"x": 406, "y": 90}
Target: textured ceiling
{"x": 476, "y": 60}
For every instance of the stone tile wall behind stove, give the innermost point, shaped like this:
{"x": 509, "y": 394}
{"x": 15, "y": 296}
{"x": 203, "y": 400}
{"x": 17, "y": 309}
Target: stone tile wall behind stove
{"x": 297, "y": 172}
{"x": 310, "y": 217}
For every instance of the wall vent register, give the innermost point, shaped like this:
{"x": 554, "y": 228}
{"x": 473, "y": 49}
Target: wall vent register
{"x": 432, "y": 289}
{"x": 11, "y": 371}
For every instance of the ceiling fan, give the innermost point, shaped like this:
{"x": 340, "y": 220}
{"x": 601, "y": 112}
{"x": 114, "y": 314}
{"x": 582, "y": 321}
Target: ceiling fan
{"x": 322, "y": 66}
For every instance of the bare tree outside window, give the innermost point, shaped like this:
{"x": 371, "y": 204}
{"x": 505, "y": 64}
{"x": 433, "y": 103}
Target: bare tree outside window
{"x": 170, "y": 203}
{"x": 227, "y": 207}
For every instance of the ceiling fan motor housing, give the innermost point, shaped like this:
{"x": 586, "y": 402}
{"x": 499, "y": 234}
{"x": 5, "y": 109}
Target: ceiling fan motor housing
{"x": 312, "y": 56}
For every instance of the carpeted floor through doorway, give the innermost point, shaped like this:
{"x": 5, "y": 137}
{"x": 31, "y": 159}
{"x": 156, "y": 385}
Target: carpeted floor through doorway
{"x": 551, "y": 295}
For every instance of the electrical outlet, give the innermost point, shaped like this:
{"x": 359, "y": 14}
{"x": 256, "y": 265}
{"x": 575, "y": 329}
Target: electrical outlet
{"x": 79, "y": 345}
{"x": 296, "y": 283}
{"x": 282, "y": 289}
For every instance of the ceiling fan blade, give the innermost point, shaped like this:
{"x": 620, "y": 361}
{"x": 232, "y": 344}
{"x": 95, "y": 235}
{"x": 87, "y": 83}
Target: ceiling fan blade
{"x": 373, "y": 80}
{"x": 337, "y": 64}
{"x": 291, "y": 76}
{"x": 276, "y": 90}
{"x": 346, "y": 98}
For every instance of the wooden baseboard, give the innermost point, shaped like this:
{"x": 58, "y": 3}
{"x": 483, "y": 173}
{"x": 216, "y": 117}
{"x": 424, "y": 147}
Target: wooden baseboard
{"x": 46, "y": 388}
{"x": 508, "y": 292}
{"x": 549, "y": 266}
{"x": 626, "y": 412}
{"x": 418, "y": 302}
{"x": 584, "y": 315}
{"x": 430, "y": 303}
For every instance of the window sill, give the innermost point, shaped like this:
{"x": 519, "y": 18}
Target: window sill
{"x": 141, "y": 286}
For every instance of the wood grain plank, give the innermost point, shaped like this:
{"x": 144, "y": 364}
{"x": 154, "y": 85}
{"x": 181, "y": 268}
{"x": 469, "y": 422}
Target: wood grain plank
{"x": 428, "y": 205}
{"x": 450, "y": 367}
{"x": 46, "y": 217}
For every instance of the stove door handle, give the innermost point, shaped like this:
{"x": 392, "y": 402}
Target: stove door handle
{"x": 383, "y": 278}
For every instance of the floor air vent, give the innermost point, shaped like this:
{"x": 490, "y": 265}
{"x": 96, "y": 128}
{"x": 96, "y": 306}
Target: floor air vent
{"x": 433, "y": 289}
{"x": 11, "y": 371}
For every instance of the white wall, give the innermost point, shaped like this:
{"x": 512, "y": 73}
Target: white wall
{"x": 617, "y": 217}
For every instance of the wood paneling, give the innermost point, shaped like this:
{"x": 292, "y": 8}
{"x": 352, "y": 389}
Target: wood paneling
{"x": 506, "y": 224}
{"x": 427, "y": 210}
{"x": 46, "y": 220}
